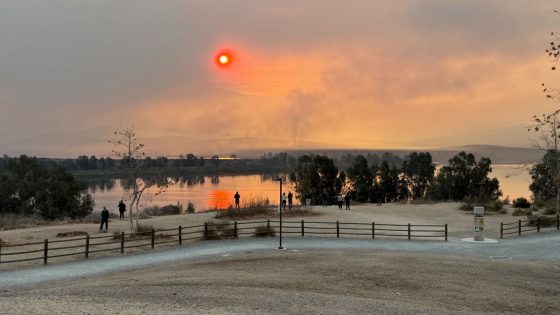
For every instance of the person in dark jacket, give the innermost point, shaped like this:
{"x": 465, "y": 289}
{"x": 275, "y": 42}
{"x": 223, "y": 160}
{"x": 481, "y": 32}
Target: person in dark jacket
{"x": 104, "y": 219}
{"x": 236, "y": 197}
{"x": 347, "y": 201}
{"x": 122, "y": 209}
{"x": 290, "y": 201}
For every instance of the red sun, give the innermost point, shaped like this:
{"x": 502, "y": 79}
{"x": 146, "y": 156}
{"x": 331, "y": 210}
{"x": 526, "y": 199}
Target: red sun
{"x": 223, "y": 59}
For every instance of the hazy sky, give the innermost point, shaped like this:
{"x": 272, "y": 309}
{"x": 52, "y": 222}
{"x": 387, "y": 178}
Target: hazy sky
{"x": 367, "y": 74}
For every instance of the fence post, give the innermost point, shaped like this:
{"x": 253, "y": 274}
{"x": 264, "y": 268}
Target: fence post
{"x": 337, "y": 230}
{"x": 235, "y": 229}
{"x": 268, "y": 228}
{"x": 87, "y": 246}
{"x": 180, "y": 235}
{"x": 519, "y": 227}
{"x": 372, "y": 230}
{"x": 122, "y": 242}
{"x": 0, "y": 251}
{"x": 153, "y": 238}
{"x": 446, "y": 232}
{"x": 558, "y": 221}
{"x": 501, "y": 230}
{"x": 206, "y": 230}
{"x": 302, "y": 229}
{"x": 409, "y": 231}
{"x": 46, "y": 251}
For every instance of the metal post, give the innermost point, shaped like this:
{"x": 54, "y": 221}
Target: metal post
{"x": 46, "y": 251}
{"x": 446, "y": 232}
{"x": 409, "y": 231}
{"x": 337, "y": 230}
{"x": 558, "y": 221}
{"x": 302, "y": 229}
{"x": 538, "y": 226}
{"x": 280, "y": 210}
{"x": 268, "y": 231}
{"x": 206, "y": 230}
{"x": 87, "y": 246}
{"x": 519, "y": 227}
{"x": 153, "y": 238}
{"x": 235, "y": 229}
{"x": 501, "y": 230}
{"x": 180, "y": 235}
{"x": 372, "y": 230}
{"x": 0, "y": 251}
{"x": 122, "y": 242}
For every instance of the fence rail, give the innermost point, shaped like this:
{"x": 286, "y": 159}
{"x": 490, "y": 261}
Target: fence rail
{"x": 120, "y": 242}
{"x": 524, "y": 226}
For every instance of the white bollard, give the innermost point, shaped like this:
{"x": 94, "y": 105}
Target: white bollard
{"x": 478, "y": 223}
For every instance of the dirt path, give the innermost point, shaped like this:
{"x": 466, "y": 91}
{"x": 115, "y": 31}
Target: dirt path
{"x": 242, "y": 277}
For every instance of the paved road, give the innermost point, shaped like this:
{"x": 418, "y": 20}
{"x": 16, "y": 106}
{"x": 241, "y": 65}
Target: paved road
{"x": 545, "y": 246}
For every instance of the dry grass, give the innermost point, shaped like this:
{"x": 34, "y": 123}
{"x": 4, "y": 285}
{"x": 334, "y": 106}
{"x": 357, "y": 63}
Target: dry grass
{"x": 219, "y": 231}
{"x": 264, "y": 231}
{"x": 165, "y": 210}
{"x": 71, "y": 234}
{"x": 11, "y": 221}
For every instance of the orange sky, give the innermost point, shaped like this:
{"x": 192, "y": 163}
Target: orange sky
{"x": 309, "y": 73}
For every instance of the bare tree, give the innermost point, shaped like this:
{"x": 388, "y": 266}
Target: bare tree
{"x": 131, "y": 151}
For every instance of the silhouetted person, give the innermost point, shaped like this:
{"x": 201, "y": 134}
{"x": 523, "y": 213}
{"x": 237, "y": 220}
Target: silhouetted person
{"x": 339, "y": 201}
{"x": 236, "y": 197}
{"x": 347, "y": 201}
{"x": 325, "y": 198}
{"x": 284, "y": 201}
{"x": 104, "y": 219}
{"x": 290, "y": 197}
{"x": 122, "y": 209}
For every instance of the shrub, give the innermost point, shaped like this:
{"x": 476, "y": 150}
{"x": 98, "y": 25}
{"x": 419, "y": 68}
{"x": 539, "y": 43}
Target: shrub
{"x": 544, "y": 221}
{"x": 144, "y": 229}
{"x": 264, "y": 231}
{"x": 521, "y": 203}
{"x": 521, "y": 212}
{"x": 506, "y": 200}
{"x": 71, "y": 233}
{"x": 219, "y": 231}
{"x": 190, "y": 207}
{"x": 549, "y": 211}
{"x": 165, "y": 210}
{"x": 9, "y": 221}
{"x": 489, "y": 205}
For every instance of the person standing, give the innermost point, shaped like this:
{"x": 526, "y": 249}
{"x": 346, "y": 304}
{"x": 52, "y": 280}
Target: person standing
{"x": 325, "y": 197}
{"x": 236, "y": 197}
{"x": 283, "y": 201}
{"x": 104, "y": 219}
{"x": 347, "y": 201}
{"x": 290, "y": 197}
{"x": 122, "y": 209}
{"x": 339, "y": 200}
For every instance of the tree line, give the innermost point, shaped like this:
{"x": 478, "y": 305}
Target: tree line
{"x": 414, "y": 179}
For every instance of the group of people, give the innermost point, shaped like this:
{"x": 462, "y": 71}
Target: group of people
{"x": 105, "y": 215}
{"x": 289, "y": 198}
{"x": 340, "y": 200}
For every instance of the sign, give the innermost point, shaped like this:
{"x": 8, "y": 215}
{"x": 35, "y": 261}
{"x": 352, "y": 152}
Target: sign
{"x": 478, "y": 223}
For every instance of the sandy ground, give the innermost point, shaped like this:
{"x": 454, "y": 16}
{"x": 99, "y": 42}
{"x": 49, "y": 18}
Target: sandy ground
{"x": 306, "y": 281}
{"x": 460, "y": 222}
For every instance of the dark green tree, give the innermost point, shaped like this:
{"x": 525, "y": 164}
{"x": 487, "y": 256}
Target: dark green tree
{"x": 544, "y": 175}
{"x": 360, "y": 179}
{"x": 313, "y": 175}
{"x": 418, "y": 170}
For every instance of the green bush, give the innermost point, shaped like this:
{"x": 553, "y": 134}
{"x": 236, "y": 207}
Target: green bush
{"x": 517, "y": 212}
{"x": 264, "y": 231}
{"x": 521, "y": 203}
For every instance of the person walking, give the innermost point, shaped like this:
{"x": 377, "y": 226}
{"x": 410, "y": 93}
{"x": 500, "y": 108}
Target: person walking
{"x": 104, "y": 219}
{"x": 347, "y": 201}
{"x": 122, "y": 209}
{"x": 290, "y": 197}
{"x": 236, "y": 197}
{"x": 283, "y": 201}
{"x": 339, "y": 200}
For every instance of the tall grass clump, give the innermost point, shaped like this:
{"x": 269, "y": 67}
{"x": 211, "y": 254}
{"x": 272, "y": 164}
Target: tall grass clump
{"x": 165, "y": 210}
{"x": 254, "y": 207}
{"x": 219, "y": 230}
{"x": 190, "y": 207}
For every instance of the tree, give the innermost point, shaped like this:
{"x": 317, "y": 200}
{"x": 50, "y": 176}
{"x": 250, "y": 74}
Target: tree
{"x": 361, "y": 179}
{"x": 544, "y": 185}
{"x": 313, "y": 175}
{"x": 418, "y": 170}
{"x": 28, "y": 188}
{"x": 464, "y": 177}
{"x": 131, "y": 151}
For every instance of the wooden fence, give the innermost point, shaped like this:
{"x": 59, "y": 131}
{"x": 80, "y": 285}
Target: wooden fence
{"x": 526, "y": 226}
{"x": 123, "y": 242}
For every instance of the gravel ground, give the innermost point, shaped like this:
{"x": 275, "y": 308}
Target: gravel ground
{"x": 313, "y": 275}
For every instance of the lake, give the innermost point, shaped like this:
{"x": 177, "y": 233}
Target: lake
{"x": 207, "y": 192}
